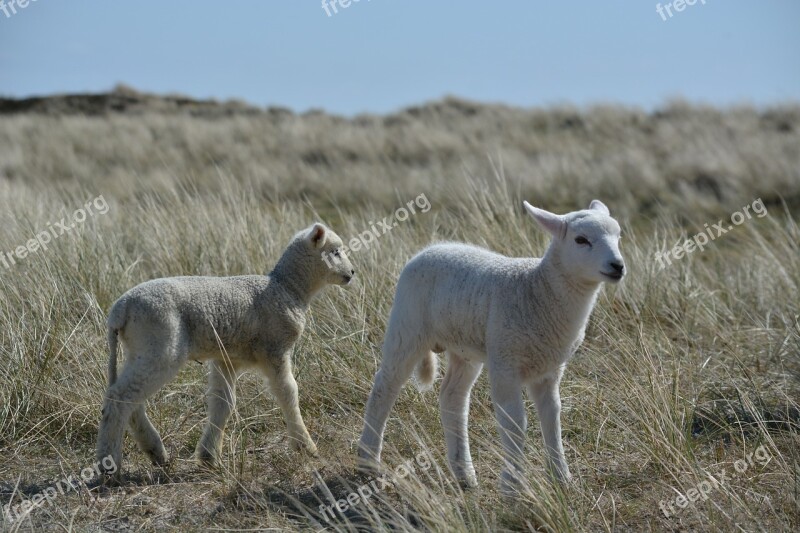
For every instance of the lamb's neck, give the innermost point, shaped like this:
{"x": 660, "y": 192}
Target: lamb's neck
{"x": 575, "y": 295}
{"x": 295, "y": 277}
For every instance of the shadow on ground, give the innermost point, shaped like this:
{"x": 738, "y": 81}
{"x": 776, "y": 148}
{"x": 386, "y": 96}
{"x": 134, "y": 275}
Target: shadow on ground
{"x": 372, "y": 501}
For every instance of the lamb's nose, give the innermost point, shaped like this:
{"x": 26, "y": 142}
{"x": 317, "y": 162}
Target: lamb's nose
{"x": 619, "y": 268}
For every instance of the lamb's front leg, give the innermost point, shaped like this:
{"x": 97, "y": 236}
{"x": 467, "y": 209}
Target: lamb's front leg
{"x": 512, "y": 419}
{"x": 284, "y": 388}
{"x": 548, "y": 404}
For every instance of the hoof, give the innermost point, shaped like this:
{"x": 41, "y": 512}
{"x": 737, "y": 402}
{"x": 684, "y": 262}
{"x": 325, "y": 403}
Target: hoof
{"x": 561, "y": 476}
{"x": 205, "y": 459}
{"x": 367, "y": 465}
{"x": 468, "y": 482}
{"x": 511, "y": 484}
{"x": 109, "y": 479}
{"x": 367, "y": 461}
{"x": 306, "y": 446}
{"x": 159, "y": 458}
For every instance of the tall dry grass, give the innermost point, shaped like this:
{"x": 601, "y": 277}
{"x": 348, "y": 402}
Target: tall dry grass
{"x": 683, "y": 372}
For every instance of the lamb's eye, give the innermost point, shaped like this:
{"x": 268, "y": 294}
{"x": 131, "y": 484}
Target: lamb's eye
{"x": 580, "y": 239}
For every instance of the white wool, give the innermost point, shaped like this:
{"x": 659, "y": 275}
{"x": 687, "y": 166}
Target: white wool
{"x": 521, "y": 317}
{"x": 236, "y": 323}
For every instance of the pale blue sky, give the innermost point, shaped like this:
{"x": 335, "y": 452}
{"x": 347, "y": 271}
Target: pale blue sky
{"x": 380, "y": 55}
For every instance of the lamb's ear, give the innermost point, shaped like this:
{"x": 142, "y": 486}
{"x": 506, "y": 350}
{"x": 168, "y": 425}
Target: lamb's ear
{"x": 597, "y": 205}
{"x": 554, "y": 224}
{"x": 317, "y": 235}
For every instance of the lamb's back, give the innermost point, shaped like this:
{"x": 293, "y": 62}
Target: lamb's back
{"x": 465, "y": 265}
{"x": 455, "y": 284}
{"x": 223, "y": 304}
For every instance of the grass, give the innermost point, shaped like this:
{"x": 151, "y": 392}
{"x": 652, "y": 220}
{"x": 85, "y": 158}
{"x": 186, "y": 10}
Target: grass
{"x": 684, "y": 371}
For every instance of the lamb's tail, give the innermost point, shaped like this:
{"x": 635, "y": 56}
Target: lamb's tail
{"x": 116, "y": 320}
{"x": 425, "y": 372}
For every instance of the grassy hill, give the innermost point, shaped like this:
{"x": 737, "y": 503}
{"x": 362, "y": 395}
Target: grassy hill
{"x": 685, "y": 369}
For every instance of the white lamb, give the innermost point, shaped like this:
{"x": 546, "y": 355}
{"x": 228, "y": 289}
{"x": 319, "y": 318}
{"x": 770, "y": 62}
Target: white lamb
{"x": 522, "y": 317}
{"x": 236, "y": 323}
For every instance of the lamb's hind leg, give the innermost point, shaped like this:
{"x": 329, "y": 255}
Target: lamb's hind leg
{"x": 396, "y": 368}
{"x": 146, "y": 436}
{"x": 221, "y": 400}
{"x": 118, "y": 405}
{"x": 143, "y": 376}
{"x": 454, "y": 406}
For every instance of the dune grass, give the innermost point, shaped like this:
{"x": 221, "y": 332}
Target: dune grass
{"x": 684, "y": 371}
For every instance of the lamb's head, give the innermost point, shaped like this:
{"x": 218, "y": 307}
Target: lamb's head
{"x": 585, "y": 243}
{"x": 333, "y": 266}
